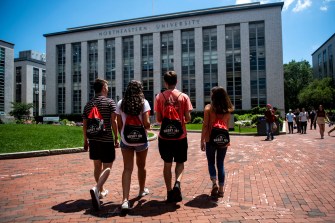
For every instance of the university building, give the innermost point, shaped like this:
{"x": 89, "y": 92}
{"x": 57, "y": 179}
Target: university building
{"x": 6, "y": 76}
{"x": 238, "y": 47}
{"x": 323, "y": 59}
{"x": 30, "y": 80}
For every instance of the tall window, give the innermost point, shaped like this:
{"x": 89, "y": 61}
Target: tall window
{"x": 128, "y": 60}
{"x": 330, "y": 60}
{"x": 320, "y": 65}
{"x": 2, "y": 79}
{"x": 36, "y": 82}
{"x": 60, "y": 49}
{"x": 43, "y": 91}
{"x": 110, "y": 67}
{"x": 210, "y": 57}
{"x": 325, "y": 60}
{"x": 257, "y": 64}
{"x": 233, "y": 65}
{"x": 92, "y": 66}
{"x": 188, "y": 64}
{"x": 166, "y": 54}
{"x": 147, "y": 67}
{"x": 18, "y": 84}
{"x": 76, "y": 78}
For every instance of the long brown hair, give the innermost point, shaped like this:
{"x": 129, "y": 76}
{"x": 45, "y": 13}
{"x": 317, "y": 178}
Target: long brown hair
{"x": 220, "y": 101}
{"x": 133, "y": 101}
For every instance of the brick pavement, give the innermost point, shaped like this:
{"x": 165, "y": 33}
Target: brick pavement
{"x": 290, "y": 179}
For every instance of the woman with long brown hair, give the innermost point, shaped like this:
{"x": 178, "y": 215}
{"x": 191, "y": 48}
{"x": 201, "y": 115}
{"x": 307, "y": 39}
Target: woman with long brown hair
{"x": 219, "y": 109}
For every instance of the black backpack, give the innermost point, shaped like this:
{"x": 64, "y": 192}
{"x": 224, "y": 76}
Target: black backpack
{"x": 134, "y": 131}
{"x": 95, "y": 123}
{"x": 171, "y": 127}
{"x": 219, "y": 135}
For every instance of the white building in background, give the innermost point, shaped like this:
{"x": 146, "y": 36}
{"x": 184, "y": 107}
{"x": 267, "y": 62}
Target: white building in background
{"x": 6, "y": 76}
{"x": 30, "y": 80}
{"x": 238, "y": 47}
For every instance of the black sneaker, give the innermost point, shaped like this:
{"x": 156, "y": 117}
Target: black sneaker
{"x": 177, "y": 194}
{"x": 169, "y": 198}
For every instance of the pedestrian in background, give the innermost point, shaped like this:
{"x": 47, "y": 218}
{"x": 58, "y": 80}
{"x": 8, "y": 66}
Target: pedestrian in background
{"x": 290, "y": 119}
{"x": 320, "y": 119}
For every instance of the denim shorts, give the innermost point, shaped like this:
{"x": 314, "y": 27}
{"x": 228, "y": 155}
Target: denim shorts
{"x": 134, "y": 148}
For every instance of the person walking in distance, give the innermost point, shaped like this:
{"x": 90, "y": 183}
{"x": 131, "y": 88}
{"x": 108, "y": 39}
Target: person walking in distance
{"x": 303, "y": 119}
{"x": 220, "y": 108}
{"x": 311, "y": 117}
{"x": 269, "y": 120}
{"x": 173, "y": 109}
{"x": 102, "y": 145}
{"x": 133, "y": 106}
{"x": 290, "y": 118}
{"x": 320, "y": 119}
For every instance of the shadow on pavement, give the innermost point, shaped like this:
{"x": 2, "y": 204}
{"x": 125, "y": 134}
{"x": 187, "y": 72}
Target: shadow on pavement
{"x": 151, "y": 208}
{"x": 72, "y": 206}
{"x": 203, "y": 201}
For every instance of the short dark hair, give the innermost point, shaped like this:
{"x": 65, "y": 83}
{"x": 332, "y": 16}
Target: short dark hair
{"x": 99, "y": 84}
{"x": 170, "y": 77}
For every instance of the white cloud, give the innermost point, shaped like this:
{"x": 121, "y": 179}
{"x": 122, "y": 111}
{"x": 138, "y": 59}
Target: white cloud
{"x": 287, "y": 4}
{"x": 323, "y": 8}
{"x": 302, "y": 5}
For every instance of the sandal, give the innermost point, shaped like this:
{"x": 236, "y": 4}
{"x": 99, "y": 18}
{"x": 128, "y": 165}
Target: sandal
{"x": 144, "y": 193}
{"x": 214, "y": 191}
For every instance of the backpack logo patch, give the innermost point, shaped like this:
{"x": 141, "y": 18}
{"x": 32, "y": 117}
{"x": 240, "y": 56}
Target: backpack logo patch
{"x": 134, "y": 131}
{"x": 95, "y": 123}
{"x": 219, "y": 134}
{"x": 171, "y": 127}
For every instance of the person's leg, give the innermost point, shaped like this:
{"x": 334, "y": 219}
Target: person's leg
{"x": 106, "y": 168}
{"x": 210, "y": 154}
{"x": 322, "y": 130}
{"x": 291, "y": 127}
{"x": 267, "y": 125}
{"x": 167, "y": 173}
{"x": 221, "y": 154}
{"x": 333, "y": 129}
{"x": 128, "y": 165}
{"x": 179, "y": 169}
{"x": 142, "y": 172}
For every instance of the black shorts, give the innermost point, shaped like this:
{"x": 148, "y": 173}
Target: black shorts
{"x": 173, "y": 150}
{"x": 103, "y": 151}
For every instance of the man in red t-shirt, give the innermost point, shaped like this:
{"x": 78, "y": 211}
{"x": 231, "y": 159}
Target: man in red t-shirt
{"x": 170, "y": 149}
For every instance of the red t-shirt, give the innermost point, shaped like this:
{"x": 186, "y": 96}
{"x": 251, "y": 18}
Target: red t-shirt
{"x": 183, "y": 101}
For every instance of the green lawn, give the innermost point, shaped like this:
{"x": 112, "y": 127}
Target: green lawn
{"x": 22, "y": 138}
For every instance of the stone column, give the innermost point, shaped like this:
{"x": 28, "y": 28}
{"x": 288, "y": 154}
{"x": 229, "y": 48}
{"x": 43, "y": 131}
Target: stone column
{"x": 199, "y": 71}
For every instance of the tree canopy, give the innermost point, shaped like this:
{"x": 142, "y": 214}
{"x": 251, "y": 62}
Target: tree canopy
{"x": 318, "y": 92}
{"x": 297, "y": 75}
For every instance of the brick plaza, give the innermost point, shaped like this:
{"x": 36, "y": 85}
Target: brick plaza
{"x": 290, "y": 179}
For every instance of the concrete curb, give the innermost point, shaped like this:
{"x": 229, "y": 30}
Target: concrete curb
{"x": 37, "y": 153}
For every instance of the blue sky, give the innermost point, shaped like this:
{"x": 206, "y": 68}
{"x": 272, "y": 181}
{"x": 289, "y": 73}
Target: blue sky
{"x": 306, "y": 23}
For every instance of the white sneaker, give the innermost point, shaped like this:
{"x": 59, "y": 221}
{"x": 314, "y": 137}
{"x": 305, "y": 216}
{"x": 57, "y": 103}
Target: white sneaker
{"x": 144, "y": 193}
{"x": 125, "y": 205}
{"x": 95, "y": 198}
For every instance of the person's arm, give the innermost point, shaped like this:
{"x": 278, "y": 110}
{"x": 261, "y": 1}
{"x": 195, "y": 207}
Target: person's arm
{"x": 204, "y": 130}
{"x": 115, "y": 129}
{"x": 146, "y": 119}
{"x": 187, "y": 115}
{"x": 85, "y": 135}
{"x": 119, "y": 122}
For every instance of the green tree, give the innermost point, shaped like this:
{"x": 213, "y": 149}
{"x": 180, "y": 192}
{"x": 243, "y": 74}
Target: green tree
{"x": 20, "y": 110}
{"x": 320, "y": 91}
{"x": 297, "y": 75}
